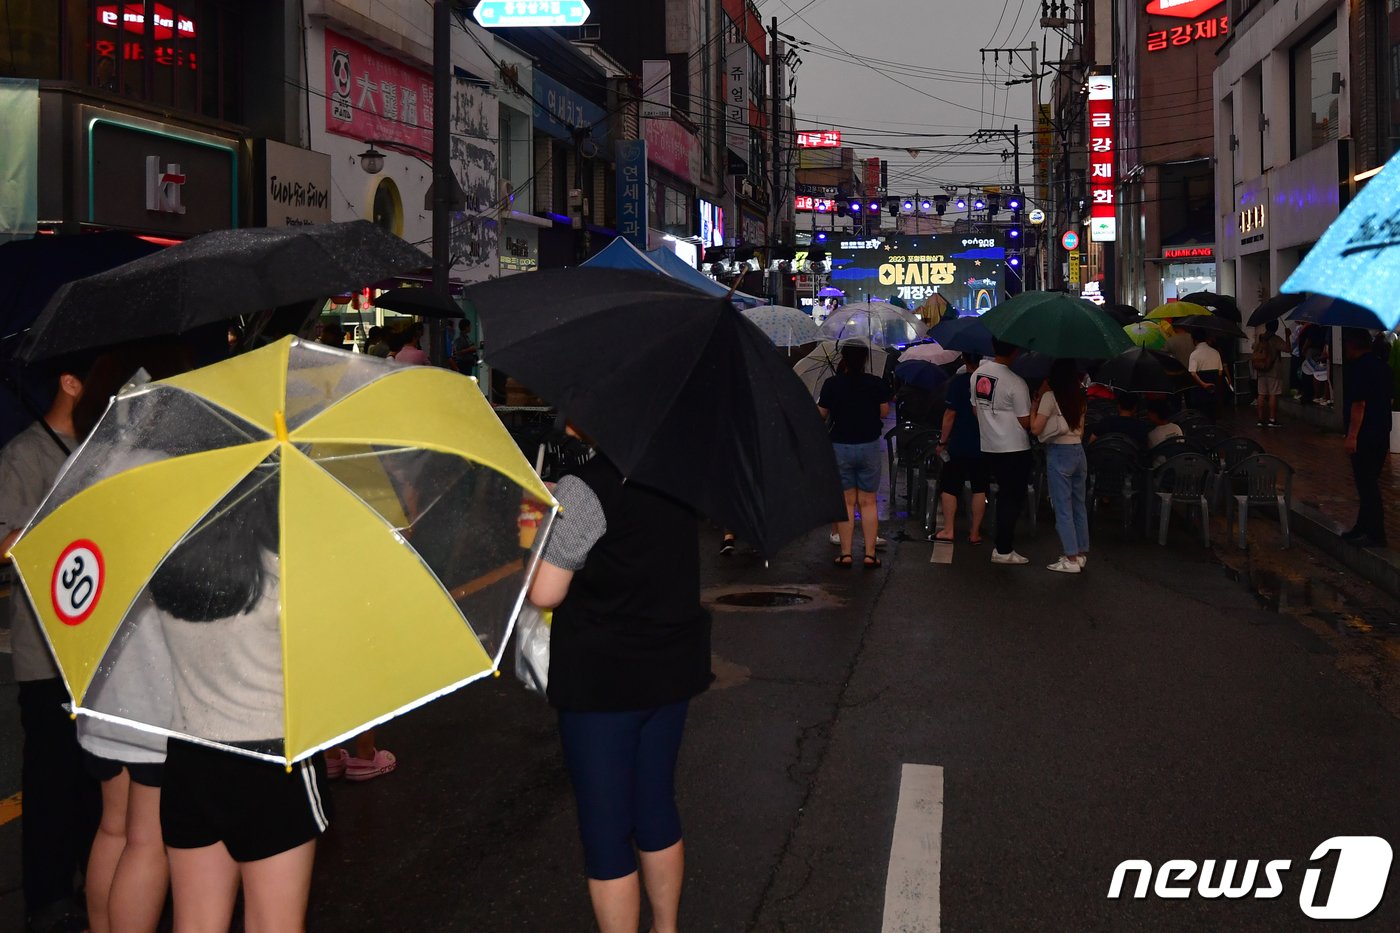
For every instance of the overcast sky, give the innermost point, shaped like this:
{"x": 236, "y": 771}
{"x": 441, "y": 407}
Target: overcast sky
{"x": 923, "y": 49}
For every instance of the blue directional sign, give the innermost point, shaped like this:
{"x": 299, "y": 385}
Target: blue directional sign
{"x": 502, "y": 13}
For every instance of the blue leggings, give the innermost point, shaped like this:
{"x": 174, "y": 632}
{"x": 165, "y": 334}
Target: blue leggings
{"x": 623, "y": 766}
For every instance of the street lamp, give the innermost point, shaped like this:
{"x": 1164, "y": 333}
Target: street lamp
{"x": 372, "y": 160}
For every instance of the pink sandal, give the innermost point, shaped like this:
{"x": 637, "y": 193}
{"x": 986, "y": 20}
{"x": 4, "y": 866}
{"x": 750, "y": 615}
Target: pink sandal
{"x": 336, "y": 760}
{"x": 362, "y": 769}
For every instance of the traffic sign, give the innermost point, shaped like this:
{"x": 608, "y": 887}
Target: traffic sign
{"x": 1070, "y": 241}
{"x": 503, "y": 13}
{"x": 1037, "y": 216}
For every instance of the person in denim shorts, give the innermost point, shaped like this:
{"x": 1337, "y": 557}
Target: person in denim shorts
{"x": 857, "y": 402}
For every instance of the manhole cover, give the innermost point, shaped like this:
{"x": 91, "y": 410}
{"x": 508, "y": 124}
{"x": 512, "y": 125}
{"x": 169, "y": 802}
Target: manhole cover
{"x": 764, "y": 599}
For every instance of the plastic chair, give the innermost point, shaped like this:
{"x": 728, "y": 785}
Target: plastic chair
{"x": 1172, "y": 447}
{"x": 1115, "y": 472}
{"x": 910, "y": 453}
{"x": 1233, "y": 451}
{"x": 1186, "y": 479}
{"x": 1204, "y": 433}
{"x": 1187, "y": 415}
{"x": 1263, "y": 480}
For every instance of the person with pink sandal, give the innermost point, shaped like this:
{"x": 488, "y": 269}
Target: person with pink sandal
{"x": 367, "y": 763}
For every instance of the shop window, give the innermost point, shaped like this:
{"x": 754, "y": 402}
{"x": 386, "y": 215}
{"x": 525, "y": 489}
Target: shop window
{"x": 1314, "y": 73}
{"x": 174, "y": 53}
{"x": 675, "y": 212}
{"x": 388, "y": 207}
{"x": 29, "y": 39}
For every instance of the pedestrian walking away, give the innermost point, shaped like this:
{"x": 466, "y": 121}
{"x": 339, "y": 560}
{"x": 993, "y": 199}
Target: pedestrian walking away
{"x": 1367, "y": 390}
{"x": 629, "y": 648}
{"x": 1059, "y": 424}
{"x": 1003, "y": 404}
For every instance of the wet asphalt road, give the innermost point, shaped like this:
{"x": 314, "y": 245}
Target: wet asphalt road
{"x": 1150, "y": 709}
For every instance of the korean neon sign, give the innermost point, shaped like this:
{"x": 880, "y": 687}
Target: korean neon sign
{"x": 1214, "y": 27}
{"x": 805, "y": 202}
{"x": 1183, "y": 9}
{"x": 1103, "y": 209}
{"x": 819, "y": 139}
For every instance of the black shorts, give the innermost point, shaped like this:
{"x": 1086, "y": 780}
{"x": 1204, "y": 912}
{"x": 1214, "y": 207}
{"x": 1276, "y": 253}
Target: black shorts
{"x": 146, "y": 774}
{"x": 255, "y": 808}
{"x": 959, "y": 471}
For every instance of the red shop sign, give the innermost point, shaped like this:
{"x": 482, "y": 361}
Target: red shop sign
{"x": 1182, "y": 9}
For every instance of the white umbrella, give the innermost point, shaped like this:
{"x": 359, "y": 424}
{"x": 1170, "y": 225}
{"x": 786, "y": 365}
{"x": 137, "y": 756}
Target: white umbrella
{"x": 883, "y": 324}
{"x": 821, "y": 364}
{"x": 786, "y": 327}
{"x": 931, "y": 352}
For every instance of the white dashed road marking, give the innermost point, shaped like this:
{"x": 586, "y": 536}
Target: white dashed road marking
{"x": 911, "y": 886}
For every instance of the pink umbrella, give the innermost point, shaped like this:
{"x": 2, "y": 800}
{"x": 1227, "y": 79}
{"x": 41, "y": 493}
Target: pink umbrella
{"x": 930, "y": 352}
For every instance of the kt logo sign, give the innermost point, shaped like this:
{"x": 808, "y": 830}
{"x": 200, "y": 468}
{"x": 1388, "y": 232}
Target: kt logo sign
{"x": 1344, "y": 878}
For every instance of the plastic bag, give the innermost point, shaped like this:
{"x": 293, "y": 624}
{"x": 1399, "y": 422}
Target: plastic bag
{"x": 532, "y": 648}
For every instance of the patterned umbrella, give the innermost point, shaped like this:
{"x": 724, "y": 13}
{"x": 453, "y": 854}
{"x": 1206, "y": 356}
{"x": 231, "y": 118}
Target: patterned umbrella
{"x": 930, "y": 352}
{"x": 786, "y": 327}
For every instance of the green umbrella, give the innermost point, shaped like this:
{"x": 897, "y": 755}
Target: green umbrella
{"x": 1057, "y": 325}
{"x": 1146, "y": 334}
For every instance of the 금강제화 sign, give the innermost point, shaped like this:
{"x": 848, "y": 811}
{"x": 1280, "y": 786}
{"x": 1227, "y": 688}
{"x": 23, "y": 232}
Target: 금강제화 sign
{"x": 500, "y": 13}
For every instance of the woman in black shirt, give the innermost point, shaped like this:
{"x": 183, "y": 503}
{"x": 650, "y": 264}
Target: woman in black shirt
{"x": 629, "y": 647}
{"x": 857, "y": 402}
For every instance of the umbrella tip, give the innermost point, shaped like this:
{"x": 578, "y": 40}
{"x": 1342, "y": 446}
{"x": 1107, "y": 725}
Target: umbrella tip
{"x": 496, "y": 672}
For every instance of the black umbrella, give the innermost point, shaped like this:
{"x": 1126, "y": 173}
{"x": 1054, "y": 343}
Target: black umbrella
{"x": 1210, "y": 325}
{"x": 1222, "y": 305}
{"x": 678, "y": 389}
{"x": 423, "y": 302}
{"x": 1123, "y": 314}
{"x": 967, "y": 334}
{"x": 33, "y": 269}
{"x": 1144, "y": 370}
{"x": 1275, "y": 308}
{"x": 215, "y": 277}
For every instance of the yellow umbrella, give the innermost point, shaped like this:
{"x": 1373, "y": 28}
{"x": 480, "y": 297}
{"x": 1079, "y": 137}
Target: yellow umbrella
{"x": 276, "y": 552}
{"x": 1175, "y": 309}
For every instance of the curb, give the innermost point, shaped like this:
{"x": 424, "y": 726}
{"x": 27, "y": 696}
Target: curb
{"x": 1380, "y": 566}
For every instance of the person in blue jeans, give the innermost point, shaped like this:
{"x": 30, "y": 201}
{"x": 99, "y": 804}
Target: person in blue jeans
{"x": 857, "y": 402}
{"x": 1058, "y": 421}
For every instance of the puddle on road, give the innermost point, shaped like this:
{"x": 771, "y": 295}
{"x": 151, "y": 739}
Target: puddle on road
{"x": 778, "y": 598}
{"x": 763, "y": 599}
{"x": 1311, "y": 597}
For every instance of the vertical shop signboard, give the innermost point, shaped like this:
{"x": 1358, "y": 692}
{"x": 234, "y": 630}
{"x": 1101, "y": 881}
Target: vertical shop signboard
{"x": 1103, "y": 217}
{"x": 632, "y": 191}
{"x": 736, "y": 97}
{"x": 1073, "y": 276}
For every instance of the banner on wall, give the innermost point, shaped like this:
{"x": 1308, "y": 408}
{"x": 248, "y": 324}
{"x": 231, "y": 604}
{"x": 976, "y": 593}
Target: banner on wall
{"x": 373, "y": 96}
{"x": 631, "y": 187}
{"x": 965, "y": 271}
{"x": 19, "y": 158}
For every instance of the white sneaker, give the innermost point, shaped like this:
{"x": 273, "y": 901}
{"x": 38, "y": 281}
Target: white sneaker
{"x": 1012, "y": 558}
{"x": 880, "y": 542}
{"x": 1083, "y": 561}
{"x": 834, "y": 538}
{"x": 1065, "y": 565}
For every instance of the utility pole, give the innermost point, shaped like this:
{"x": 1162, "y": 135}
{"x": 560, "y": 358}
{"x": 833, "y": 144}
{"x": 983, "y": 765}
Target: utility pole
{"x": 775, "y": 61}
{"x": 443, "y": 182}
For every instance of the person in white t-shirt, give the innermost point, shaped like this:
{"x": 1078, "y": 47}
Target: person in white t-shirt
{"x": 1208, "y": 369}
{"x": 1003, "y": 404}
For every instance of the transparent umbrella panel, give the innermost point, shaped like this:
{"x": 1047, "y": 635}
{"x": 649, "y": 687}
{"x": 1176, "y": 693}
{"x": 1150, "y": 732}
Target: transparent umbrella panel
{"x": 274, "y": 588}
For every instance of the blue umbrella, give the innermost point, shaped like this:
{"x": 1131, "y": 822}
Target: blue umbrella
{"x": 967, "y": 334}
{"x": 921, "y": 374}
{"x": 1358, "y": 258}
{"x": 1334, "y": 312}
